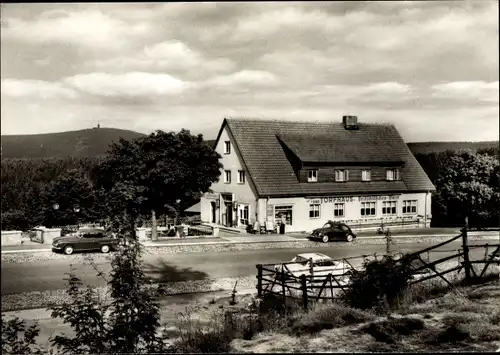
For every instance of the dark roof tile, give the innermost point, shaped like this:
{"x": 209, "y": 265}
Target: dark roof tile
{"x": 273, "y": 174}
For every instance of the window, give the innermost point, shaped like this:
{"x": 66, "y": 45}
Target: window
{"x": 314, "y": 211}
{"x": 366, "y": 175}
{"x": 389, "y": 207}
{"x": 392, "y": 174}
{"x": 227, "y": 176}
{"x": 283, "y": 213}
{"x": 341, "y": 175}
{"x": 338, "y": 210}
{"x": 244, "y": 215}
{"x": 241, "y": 177}
{"x": 227, "y": 147}
{"x": 368, "y": 208}
{"x": 325, "y": 263}
{"x": 312, "y": 176}
{"x": 410, "y": 206}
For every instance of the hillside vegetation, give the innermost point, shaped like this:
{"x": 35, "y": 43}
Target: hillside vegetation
{"x": 438, "y": 147}
{"x": 83, "y": 143}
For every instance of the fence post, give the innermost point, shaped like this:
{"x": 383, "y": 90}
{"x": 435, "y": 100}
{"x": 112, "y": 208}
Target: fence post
{"x": 311, "y": 268}
{"x": 259, "y": 280}
{"x": 465, "y": 247}
{"x": 303, "y": 286}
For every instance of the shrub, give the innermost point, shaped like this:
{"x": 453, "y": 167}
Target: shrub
{"x": 16, "y": 220}
{"x": 194, "y": 337}
{"x": 328, "y": 317}
{"x": 133, "y": 321}
{"x": 391, "y": 330}
{"x": 271, "y": 303}
{"x": 17, "y": 339}
{"x": 379, "y": 284}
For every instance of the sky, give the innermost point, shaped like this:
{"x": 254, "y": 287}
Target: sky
{"x": 431, "y": 68}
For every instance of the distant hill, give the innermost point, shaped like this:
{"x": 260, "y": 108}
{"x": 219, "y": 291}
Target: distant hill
{"x": 82, "y": 143}
{"x": 436, "y": 147}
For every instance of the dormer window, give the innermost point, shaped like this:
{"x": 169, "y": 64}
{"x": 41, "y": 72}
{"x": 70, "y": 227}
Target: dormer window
{"x": 312, "y": 175}
{"x": 392, "y": 174}
{"x": 227, "y": 147}
{"x": 366, "y": 175}
{"x": 341, "y": 175}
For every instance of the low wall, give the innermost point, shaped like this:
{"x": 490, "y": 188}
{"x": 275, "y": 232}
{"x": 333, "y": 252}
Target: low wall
{"x": 47, "y": 235}
{"x": 11, "y": 237}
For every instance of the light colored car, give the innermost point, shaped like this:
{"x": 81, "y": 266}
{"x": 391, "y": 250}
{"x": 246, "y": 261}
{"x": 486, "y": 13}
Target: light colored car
{"x": 320, "y": 264}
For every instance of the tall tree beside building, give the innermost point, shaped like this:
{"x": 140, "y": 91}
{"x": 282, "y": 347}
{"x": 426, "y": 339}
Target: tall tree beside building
{"x": 74, "y": 198}
{"x": 158, "y": 173}
{"x": 467, "y": 186}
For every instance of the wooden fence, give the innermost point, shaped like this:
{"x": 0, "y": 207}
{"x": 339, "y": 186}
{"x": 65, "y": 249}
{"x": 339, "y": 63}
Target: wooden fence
{"x": 330, "y": 284}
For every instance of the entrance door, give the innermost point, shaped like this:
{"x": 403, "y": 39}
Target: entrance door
{"x": 214, "y": 210}
{"x": 229, "y": 214}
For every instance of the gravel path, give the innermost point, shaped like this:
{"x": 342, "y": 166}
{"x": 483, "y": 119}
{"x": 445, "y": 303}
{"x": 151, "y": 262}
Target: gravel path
{"x": 37, "y": 299}
{"x": 49, "y": 255}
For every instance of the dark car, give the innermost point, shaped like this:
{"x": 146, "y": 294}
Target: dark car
{"x": 85, "y": 239}
{"x": 333, "y": 231}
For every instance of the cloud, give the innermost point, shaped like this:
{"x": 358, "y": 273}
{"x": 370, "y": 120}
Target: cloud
{"x": 416, "y": 64}
{"x": 90, "y": 28}
{"x": 36, "y": 89}
{"x": 173, "y": 55}
{"x": 253, "y": 78}
{"x": 128, "y": 84}
{"x": 468, "y": 90}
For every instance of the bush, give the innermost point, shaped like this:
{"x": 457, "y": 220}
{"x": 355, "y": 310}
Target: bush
{"x": 16, "y": 220}
{"x": 379, "y": 285}
{"x": 134, "y": 318}
{"x": 391, "y": 330}
{"x": 329, "y": 317}
{"x": 214, "y": 337}
{"x": 17, "y": 339}
{"x": 274, "y": 304}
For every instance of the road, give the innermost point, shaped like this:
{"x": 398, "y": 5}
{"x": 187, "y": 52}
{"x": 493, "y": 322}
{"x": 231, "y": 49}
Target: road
{"x": 50, "y": 274}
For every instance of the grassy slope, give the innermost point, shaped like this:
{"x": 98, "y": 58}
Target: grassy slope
{"x": 436, "y": 147}
{"x": 467, "y": 319}
{"x": 86, "y": 142}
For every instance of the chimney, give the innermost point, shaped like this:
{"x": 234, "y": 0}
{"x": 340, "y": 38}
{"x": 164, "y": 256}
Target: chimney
{"x": 350, "y": 122}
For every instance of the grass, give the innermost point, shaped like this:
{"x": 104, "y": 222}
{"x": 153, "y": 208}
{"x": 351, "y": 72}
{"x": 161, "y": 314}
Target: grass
{"x": 329, "y": 317}
{"x": 430, "y": 316}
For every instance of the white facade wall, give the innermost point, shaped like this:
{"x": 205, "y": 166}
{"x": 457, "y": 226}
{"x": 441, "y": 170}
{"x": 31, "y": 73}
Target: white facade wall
{"x": 242, "y": 193}
{"x": 301, "y": 220}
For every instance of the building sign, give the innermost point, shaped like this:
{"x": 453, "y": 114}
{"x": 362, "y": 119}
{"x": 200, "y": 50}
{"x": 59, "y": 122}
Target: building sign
{"x": 270, "y": 211}
{"x": 330, "y": 199}
{"x": 337, "y": 199}
{"x": 378, "y": 198}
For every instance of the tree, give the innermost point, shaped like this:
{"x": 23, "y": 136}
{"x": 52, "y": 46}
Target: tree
{"x": 73, "y": 194}
{"x": 159, "y": 173}
{"x": 18, "y": 339}
{"x": 129, "y": 323}
{"x": 467, "y": 186}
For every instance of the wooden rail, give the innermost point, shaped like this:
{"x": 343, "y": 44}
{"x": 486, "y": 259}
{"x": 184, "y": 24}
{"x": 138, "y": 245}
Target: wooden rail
{"x": 311, "y": 287}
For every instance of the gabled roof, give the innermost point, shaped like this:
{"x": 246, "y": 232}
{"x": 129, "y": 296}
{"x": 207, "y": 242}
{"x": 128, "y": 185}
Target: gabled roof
{"x": 273, "y": 174}
{"x": 342, "y": 146}
{"x": 196, "y": 208}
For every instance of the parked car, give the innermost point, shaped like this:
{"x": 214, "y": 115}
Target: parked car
{"x": 86, "y": 239}
{"x": 333, "y": 231}
{"x": 322, "y": 265}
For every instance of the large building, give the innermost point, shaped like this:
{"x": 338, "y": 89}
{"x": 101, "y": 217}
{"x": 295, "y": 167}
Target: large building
{"x": 302, "y": 174}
